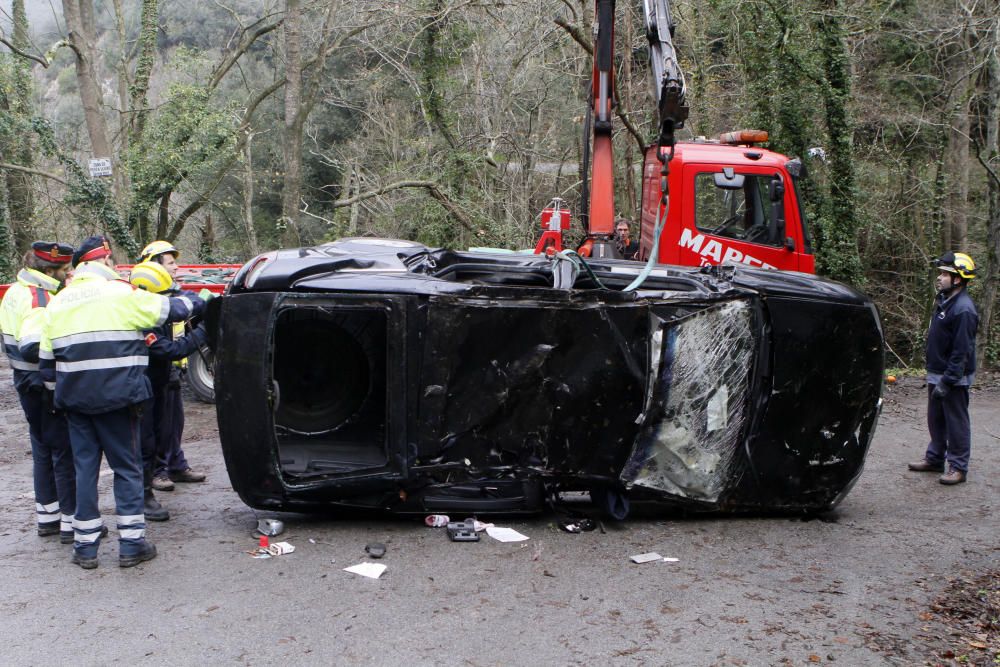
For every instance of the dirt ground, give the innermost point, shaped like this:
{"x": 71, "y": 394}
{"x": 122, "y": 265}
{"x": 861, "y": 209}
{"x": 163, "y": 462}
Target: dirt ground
{"x": 904, "y": 572}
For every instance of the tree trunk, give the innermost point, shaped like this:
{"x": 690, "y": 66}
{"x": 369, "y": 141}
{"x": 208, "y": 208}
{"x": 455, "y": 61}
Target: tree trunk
{"x": 992, "y": 164}
{"x": 144, "y": 64}
{"x": 957, "y": 159}
{"x": 840, "y": 258}
{"x": 79, "y": 15}
{"x": 292, "y": 145}
{"x": 252, "y": 244}
{"x": 20, "y": 196}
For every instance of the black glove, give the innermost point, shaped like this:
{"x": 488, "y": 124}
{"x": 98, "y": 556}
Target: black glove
{"x": 941, "y": 390}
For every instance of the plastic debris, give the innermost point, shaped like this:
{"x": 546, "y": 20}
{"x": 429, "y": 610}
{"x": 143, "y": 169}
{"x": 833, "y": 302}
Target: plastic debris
{"x": 280, "y": 549}
{"x": 463, "y": 531}
{"x": 370, "y": 570}
{"x": 375, "y": 549}
{"x": 437, "y": 520}
{"x": 505, "y": 534}
{"x": 270, "y": 527}
{"x": 646, "y": 558}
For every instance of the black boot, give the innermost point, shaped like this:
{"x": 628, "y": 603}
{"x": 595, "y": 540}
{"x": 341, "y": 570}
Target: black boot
{"x": 148, "y": 552}
{"x": 152, "y": 508}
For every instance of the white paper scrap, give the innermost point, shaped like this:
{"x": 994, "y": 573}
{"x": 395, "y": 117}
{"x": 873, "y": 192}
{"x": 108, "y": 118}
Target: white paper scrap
{"x": 505, "y": 534}
{"x": 370, "y": 570}
{"x": 646, "y": 558}
{"x": 667, "y": 559}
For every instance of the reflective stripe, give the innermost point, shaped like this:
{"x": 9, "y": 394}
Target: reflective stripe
{"x": 94, "y": 337}
{"x": 51, "y": 507}
{"x": 87, "y": 524}
{"x": 9, "y": 340}
{"x": 100, "y": 364}
{"x": 45, "y": 354}
{"x": 22, "y": 365}
{"x": 86, "y": 538}
{"x": 46, "y": 519}
{"x": 164, "y": 311}
{"x": 28, "y": 339}
{"x": 51, "y": 386}
{"x": 187, "y": 302}
{"x": 131, "y": 519}
{"x": 66, "y": 523}
{"x": 131, "y": 533}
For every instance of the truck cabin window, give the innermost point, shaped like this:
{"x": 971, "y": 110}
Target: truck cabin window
{"x": 742, "y": 213}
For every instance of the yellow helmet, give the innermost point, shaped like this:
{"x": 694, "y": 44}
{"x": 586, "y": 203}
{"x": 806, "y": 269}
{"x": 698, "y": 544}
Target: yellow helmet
{"x": 151, "y": 276}
{"x": 158, "y": 248}
{"x": 957, "y": 262}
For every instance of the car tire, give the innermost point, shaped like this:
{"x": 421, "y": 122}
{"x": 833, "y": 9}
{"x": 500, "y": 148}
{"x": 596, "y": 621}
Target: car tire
{"x": 201, "y": 376}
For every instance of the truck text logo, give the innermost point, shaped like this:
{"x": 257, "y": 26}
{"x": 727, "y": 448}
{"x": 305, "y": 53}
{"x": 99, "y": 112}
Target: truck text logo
{"x": 714, "y": 252}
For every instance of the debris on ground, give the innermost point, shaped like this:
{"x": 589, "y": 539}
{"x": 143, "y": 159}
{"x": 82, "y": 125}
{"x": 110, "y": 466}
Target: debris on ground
{"x": 646, "y": 558}
{"x": 270, "y": 527}
{"x": 437, "y": 520}
{"x": 505, "y": 534}
{"x": 970, "y": 607}
{"x": 370, "y": 570}
{"x": 463, "y": 531}
{"x": 375, "y": 549}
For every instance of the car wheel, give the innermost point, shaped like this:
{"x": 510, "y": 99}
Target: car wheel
{"x": 200, "y": 376}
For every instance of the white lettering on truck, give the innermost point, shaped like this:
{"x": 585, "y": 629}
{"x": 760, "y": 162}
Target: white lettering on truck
{"x": 715, "y": 252}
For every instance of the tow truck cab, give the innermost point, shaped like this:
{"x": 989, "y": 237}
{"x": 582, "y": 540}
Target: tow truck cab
{"x": 728, "y": 204}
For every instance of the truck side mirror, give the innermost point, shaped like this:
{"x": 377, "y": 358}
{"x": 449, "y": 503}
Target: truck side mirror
{"x": 776, "y": 191}
{"x": 789, "y": 244}
{"x": 728, "y": 179}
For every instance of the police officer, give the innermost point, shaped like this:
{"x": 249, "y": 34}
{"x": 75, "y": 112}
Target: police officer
{"x": 168, "y": 406}
{"x": 951, "y": 368}
{"x": 21, "y": 318}
{"x": 164, "y": 350}
{"x": 93, "y": 354}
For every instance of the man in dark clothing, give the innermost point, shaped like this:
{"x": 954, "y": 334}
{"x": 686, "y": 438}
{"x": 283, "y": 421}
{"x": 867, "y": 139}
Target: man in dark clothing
{"x": 951, "y": 369}
{"x": 628, "y": 247}
{"x": 158, "y": 419}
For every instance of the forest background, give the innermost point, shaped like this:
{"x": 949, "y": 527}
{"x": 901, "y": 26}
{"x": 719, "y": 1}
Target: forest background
{"x": 239, "y": 126}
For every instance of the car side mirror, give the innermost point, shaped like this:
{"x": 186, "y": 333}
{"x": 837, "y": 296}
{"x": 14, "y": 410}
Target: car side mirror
{"x": 789, "y": 244}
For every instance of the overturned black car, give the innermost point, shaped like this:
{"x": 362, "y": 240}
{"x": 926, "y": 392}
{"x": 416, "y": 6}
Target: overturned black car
{"x": 381, "y": 374}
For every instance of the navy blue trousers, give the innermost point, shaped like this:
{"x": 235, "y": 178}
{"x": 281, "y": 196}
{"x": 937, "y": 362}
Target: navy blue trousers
{"x": 168, "y": 425}
{"x": 950, "y": 429}
{"x": 52, "y": 457}
{"x": 115, "y": 435}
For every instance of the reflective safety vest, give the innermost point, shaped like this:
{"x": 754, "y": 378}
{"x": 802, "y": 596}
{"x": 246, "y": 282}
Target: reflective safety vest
{"x": 92, "y": 349}
{"x": 22, "y": 314}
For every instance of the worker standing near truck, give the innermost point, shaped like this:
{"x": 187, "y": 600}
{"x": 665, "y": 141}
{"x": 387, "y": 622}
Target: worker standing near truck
{"x": 168, "y": 405}
{"x": 93, "y": 355}
{"x": 951, "y": 369}
{"x": 21, "y": 318}
{"x": 164, "y": 350}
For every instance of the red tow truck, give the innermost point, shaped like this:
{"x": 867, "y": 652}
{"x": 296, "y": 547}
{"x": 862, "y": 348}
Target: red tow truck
{"x": 708, "y": 201}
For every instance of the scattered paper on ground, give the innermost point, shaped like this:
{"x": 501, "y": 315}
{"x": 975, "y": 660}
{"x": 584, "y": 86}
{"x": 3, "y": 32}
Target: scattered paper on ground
{"x": 371, "y": 570}
{"x": 505, "y": 534}
{"x": 667, "y": 559}
{"x": 646, "y": 558}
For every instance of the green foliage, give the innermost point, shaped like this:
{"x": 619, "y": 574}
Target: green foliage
{"x": 186, "y": 137}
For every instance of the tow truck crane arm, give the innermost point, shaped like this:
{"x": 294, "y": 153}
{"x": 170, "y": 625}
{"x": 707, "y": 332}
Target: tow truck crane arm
{"x": 671, "y": 91}
{"x": 671, "y": 103}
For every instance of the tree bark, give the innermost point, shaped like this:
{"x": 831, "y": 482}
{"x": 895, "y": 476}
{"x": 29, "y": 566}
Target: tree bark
{"x": 991, "y": 164}
{"x": 79, "y": 15}
{"x": 20, "y": 196}
{"x": 292, "y": 145}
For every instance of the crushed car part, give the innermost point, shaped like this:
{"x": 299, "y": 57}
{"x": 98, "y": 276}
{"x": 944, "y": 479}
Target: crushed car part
{"x": 382, "y": 374}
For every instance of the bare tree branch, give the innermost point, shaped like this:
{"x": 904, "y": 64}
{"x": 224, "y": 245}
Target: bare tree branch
{"x": 40, "y": 60}
{"x": 432, "y": 189}
{"x": 36, "y": 172}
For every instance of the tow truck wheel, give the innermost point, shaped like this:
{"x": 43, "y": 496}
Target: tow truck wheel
{"x": 200, "y": 377}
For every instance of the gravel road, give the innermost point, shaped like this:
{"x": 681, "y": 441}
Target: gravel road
{"x": 857, "y": 587}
